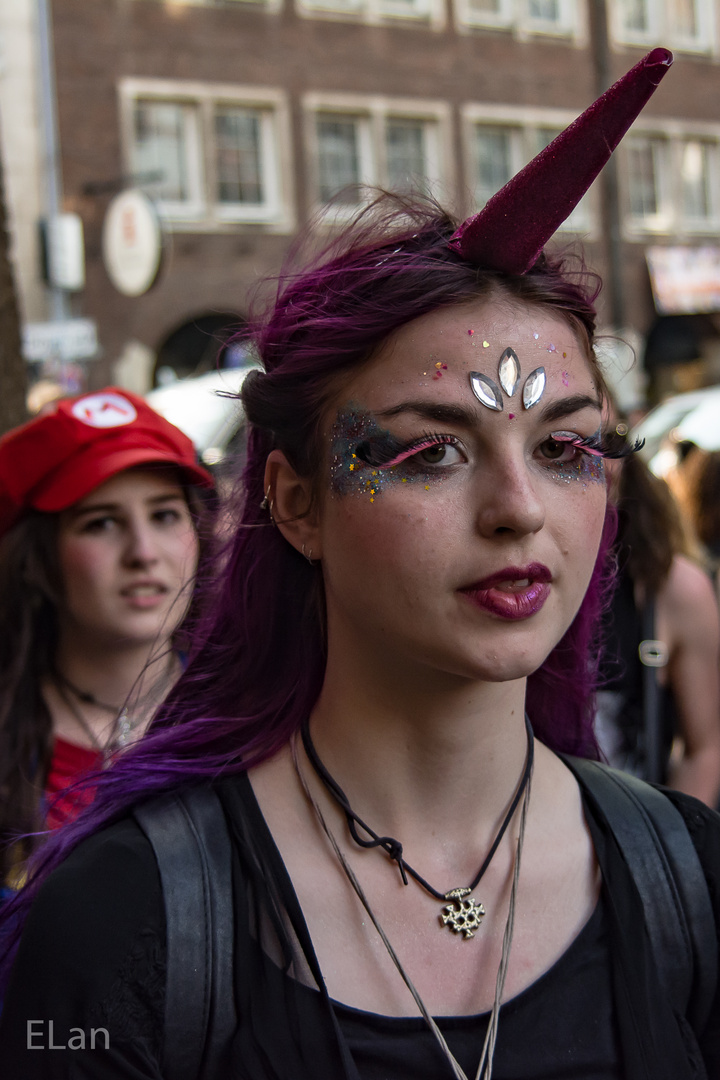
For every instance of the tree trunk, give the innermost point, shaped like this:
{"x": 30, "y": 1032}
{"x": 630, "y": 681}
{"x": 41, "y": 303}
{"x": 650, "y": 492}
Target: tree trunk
{"x": 12, "y": 365}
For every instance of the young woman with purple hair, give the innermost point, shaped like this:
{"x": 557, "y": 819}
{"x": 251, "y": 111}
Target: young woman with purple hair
{"x": 415, "y": 881}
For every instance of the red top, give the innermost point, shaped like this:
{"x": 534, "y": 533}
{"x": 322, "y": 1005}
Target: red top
{"x": 69, "y": 762}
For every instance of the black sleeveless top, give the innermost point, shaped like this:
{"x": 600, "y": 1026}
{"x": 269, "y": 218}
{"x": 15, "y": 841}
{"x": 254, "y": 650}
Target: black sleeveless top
{"x": 93, "y": 956}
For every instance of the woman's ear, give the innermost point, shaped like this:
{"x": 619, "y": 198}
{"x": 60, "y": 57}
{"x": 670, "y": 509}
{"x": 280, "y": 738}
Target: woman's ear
{"x": 291, "y": 506}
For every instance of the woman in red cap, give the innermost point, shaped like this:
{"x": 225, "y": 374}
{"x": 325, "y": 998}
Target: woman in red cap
{"x": 354, "y": 844}
{"x": 99, "y": 522}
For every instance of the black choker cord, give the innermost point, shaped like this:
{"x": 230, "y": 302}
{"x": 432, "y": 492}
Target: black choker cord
{"x": 393, "y": 847}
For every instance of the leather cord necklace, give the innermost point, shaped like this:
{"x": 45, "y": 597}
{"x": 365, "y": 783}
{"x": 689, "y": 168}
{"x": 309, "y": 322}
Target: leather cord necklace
{"x": 463, "y": 914}
{"x": 122, "y": 730}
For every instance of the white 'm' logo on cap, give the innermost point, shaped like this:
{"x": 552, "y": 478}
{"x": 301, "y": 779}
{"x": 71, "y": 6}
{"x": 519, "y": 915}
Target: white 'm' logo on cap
{"x": 104, "y": 410}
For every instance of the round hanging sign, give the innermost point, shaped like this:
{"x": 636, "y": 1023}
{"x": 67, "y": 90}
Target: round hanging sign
{"x": 132, "y": 242}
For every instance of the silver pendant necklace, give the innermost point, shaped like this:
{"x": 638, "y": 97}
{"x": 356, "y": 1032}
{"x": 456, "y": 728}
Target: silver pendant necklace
{"x": 463, "y": 914}
{"x": 485, "y": 1066}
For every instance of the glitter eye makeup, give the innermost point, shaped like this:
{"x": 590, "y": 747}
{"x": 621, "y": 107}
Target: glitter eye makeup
{"x": 587, "y": 463}
{"x": 365, "y": 458}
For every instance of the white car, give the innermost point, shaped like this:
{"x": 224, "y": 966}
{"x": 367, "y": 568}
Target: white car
{"x": 692, "y": 417}
{"x": 200, "y": 406}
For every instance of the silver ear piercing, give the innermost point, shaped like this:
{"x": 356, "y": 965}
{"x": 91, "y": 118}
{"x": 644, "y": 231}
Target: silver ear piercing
{"x": 308, "y": 555}
{"x": 268, "y": 504}
{"x": 489, "y": 393}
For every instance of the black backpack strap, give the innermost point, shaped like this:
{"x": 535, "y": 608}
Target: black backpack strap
{"x": 189, "y": 836}
{"x": 662, "y": 859}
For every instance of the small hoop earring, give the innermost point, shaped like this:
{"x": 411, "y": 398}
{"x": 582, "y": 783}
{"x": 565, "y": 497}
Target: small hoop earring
{"x": 308, "y": 555}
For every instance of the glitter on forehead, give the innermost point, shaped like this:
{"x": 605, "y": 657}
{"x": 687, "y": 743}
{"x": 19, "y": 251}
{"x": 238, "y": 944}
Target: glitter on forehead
{"x": 551, "y": 348}
{"x": 486, "y": 344}
{"x": 566, "y": 377}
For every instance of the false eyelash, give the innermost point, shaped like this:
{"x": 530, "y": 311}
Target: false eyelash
{"x": 385, "y": 451}
{"x": 608, "y": 444}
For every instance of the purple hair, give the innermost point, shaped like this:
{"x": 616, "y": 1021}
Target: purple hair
{"x": 257, "y": 660}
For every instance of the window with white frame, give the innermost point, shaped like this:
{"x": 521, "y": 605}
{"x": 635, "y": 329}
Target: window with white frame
{"x": 680, "y": 24}
{"x": 407, "y": 154}
{"x": 210, "y": 154}
{"x": 398, "y": 150}
{"x": 699, "y": 180}
{"x": 500, "y": 140}
{"x": 496, "y": 157}
{"x": 673, "y": 180}
{"x": 165, "y": 152}
{"x": 344, "y": 157}
{"x": 647, "y": 164}
{"x": 429, "y": 11}
{"x": 556, "y": 17}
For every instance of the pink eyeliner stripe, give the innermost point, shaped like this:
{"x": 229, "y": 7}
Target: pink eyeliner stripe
{"x": 580, "y": 445}
{"x": 409, "y": 453}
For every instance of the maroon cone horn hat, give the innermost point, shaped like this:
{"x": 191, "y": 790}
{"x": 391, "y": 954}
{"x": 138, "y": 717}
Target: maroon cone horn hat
{"x": 511, "y": 230}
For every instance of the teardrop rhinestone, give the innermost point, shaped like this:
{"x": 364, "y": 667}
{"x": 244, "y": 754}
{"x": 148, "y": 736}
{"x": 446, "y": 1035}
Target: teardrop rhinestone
{"x": 509, "y": 371}
{"x": 486, "y": 391}
{"x": 534, "y": 387}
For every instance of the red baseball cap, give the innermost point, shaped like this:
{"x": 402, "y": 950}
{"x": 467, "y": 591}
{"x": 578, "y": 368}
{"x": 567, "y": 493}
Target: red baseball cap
{"x": 53, "y": 461}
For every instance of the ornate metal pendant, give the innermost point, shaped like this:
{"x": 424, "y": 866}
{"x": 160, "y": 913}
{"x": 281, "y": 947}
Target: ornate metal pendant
{"x": 463, "y": 915}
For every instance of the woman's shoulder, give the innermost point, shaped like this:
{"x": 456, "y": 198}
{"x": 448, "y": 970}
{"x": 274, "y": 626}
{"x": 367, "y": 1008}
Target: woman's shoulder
{"x": 688, "y": 594}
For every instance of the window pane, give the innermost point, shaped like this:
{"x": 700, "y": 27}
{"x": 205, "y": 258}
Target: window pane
{"x": 406, "y": 160}
{"x": 695, "y": 172}
{"x": 493, "y": 165}
{"x": 545, "y": 10}
{"x": 643, "y": 174}
{"x": 161, "y": 147}
{"x": 238, "y": 158}
{"x": 683, "y": 17}
{"x": 634, "y": 15}
{"x": 339, "y": 156}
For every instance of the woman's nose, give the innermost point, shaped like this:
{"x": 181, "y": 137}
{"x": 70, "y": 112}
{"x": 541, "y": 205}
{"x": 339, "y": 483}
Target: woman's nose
{"x": 510, "y": 500}
{"x": 141, "y": 548}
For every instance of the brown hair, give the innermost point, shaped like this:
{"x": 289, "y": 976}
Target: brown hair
{"x": 31, "y": 593}
{"x": 650, "y": 528}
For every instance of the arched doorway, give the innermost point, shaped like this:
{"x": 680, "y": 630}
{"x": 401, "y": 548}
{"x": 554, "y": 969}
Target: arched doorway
{"x": 199, "y": 345}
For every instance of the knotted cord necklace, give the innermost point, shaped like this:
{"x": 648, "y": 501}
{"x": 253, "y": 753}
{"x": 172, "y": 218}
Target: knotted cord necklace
{"x": 485, "y": 1066}
{"x": 463, "y": 914}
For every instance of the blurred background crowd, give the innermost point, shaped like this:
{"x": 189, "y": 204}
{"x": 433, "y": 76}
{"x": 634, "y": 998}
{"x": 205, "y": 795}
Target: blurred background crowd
{"x": 158, "y": 158}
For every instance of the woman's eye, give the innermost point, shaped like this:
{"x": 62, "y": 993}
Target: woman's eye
{"x": 558, "y": 450}
{"x": 440, "y": 454}
{"x": 100, "y": 524}
{"x": 166, "y": 517}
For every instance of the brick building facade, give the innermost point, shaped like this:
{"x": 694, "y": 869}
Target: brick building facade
{"x": 241, "y": 118}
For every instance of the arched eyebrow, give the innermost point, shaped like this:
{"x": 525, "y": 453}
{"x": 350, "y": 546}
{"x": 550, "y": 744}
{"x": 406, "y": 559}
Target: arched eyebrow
{"x": 556, "y": 410}
{"x": 438, "y": 411}
{"x": 114, "y": 508}
{"x": 445, "y": 413}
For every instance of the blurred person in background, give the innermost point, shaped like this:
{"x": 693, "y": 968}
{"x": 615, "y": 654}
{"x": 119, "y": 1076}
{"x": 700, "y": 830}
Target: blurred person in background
{"x": 103, "y": 511}
{"x": 658, "y": 712}
{"x": 698, "y": 492}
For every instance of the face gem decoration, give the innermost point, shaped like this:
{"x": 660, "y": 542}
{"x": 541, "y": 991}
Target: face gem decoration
{"x": 509, "y": 371}
{"x": 534, "y": 388}
{"x": 485, "y": 390}
{"x": 489, "y": 394}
